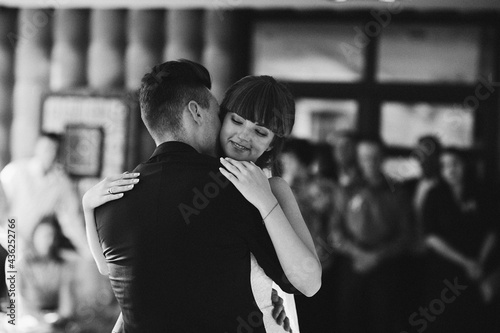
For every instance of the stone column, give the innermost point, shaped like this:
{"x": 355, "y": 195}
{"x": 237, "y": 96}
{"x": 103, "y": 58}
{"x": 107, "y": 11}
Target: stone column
{"x": 32, "y": 73}
{"x": 225, "y": 48}
{"x": 144, "y": 50}
{"x": 69, "y": 54}
{"x": 106, "y": 68}
{"x": 184, "y": 35}
{"x": 7, "y": 26}
{"x": 145, "y": 44}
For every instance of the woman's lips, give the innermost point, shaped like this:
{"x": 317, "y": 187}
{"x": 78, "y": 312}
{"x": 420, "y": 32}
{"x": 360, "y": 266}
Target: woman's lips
{"x": 238, "y": 146}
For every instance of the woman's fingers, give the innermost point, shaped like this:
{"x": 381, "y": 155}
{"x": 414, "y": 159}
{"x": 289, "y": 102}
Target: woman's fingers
{"x": 231, "y": 167}
{"x": 232, "y": 178}
{"x": 122, "y": 182}
{"x": 119, "y": 183}
{"x": 121, "y": 176}
{"x": 112, "y": 197}
{"x": 119, "y": 189}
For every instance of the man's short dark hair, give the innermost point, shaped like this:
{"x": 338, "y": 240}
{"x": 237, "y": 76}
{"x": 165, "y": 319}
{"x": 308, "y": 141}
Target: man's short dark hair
{"x": 167, "y": 89}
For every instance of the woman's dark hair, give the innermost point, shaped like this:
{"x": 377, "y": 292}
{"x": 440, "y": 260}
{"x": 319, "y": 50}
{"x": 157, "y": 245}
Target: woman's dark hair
{"x": 60, "y": 240}
{"x": 267, "y": 102}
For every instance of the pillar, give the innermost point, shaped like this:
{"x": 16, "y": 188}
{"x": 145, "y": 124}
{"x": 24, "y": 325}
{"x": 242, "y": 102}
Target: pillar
{"x": 225, "y": 48}
{"x": 7, "y": 25}
{"x": 105, "y": 67}
{"x": 144, "y": 50}
{"x": 184, "y": 31}
{"x": 32, "y": 72}
{"x": 69, "y": 53}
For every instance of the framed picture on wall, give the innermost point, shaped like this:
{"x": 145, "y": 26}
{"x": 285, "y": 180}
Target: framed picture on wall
{"x": 83, "y": 150}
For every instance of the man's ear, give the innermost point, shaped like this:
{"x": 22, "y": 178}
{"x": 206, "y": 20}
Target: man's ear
{"x": 194, "y": 110}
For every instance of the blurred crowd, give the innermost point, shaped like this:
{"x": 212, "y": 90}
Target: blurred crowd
{"x": 57, "y": 286}
{"x": 415, "y": 255}
{"x": 398, "y": 256}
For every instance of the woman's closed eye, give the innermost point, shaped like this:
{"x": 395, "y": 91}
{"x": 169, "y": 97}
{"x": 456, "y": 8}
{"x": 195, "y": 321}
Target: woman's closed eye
{"x": 237, "y": 121}
{"x": 261, "y": 132}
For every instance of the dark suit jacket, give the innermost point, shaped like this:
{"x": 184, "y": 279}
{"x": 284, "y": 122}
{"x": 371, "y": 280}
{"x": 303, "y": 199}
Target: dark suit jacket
{"x": 178, "y": 247}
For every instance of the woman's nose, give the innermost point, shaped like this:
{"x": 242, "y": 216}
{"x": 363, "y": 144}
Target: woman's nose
{"x": 244, "y": 133}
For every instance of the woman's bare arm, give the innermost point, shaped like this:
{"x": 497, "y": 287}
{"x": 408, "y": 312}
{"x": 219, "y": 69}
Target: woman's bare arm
{"x": 285, "y": 225}
{"x": 109, "y": 189}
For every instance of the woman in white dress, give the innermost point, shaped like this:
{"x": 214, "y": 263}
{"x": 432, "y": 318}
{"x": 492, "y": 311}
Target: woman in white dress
{"x": 257, "y": 114}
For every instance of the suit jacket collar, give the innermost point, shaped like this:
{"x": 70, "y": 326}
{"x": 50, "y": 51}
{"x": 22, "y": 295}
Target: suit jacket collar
{"x": 172, "y": 146}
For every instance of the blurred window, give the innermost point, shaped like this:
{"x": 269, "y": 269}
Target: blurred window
{"x": 320, "y": 119}
{"x": 402, "y": 124}
{"x": 419, "y": 53}
{"x": 303, "y": 51}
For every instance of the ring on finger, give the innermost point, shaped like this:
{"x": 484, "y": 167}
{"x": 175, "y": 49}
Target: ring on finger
{"x": 109, "y": 190}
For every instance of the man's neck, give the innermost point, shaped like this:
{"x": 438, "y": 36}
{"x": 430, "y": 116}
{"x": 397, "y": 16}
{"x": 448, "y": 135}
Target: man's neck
{"x": 191, "y": 142}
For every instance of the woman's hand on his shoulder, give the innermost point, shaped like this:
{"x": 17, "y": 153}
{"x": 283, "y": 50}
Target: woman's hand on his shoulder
{"x": 250, "y": 180}
{"x": 109, "y": 189}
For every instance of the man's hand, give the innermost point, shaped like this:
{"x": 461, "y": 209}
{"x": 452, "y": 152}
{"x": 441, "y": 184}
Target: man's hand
{"x": 279, "y": 312}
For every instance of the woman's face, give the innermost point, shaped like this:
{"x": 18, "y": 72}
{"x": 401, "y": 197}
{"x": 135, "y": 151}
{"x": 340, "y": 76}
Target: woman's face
{"x": 244, "y": 140}
{"x": 452, "y": 169}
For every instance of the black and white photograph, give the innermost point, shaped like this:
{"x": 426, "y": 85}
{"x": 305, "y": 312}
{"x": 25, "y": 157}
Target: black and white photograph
{"x": 250, "y": 166}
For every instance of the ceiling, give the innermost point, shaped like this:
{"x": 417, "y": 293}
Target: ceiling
{"x": 454, "y": 5}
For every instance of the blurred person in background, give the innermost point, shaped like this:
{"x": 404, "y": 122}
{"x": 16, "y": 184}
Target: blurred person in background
{"x": 371, "y": 234}
{"x": 39, "y": 186}
{"x": 323, "y": 163}
{"x": 295, "y": 160}
{"x": 427, "y": 152}
{"x": 344, "y": 152}
{"x": 46, "y": 276}
{"x": 461, "y": 220}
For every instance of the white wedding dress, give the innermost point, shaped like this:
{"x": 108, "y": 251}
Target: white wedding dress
{"x": 262, "y": 287}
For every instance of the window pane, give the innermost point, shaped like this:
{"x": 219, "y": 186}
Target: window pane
{"x": 320, "y": 119}
{"x": 403, "y": 124}
{"x": 429, "y": 53}
{"x": 306, "y": 51}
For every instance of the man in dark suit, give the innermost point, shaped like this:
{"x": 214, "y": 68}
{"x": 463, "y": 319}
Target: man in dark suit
{"x": 178, "y": 246}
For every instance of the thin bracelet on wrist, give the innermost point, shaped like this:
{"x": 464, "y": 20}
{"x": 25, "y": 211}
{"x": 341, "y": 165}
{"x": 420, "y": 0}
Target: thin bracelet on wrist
{"x": 264, "y": 219}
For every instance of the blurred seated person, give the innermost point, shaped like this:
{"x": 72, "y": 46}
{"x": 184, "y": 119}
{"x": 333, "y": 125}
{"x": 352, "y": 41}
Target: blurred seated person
{"x": 39, "y": 186}
{"x": 46, "y": 275}
{"x": 460, "y": 219}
